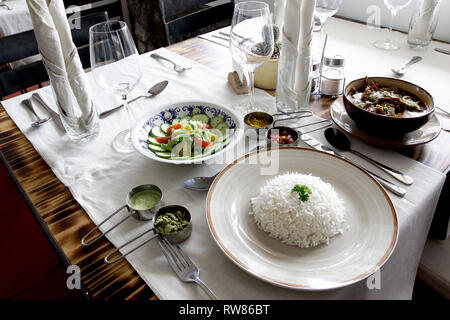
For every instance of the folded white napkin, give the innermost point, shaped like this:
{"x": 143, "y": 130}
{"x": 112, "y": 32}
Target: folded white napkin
{"x": 297, "y": 36}
{"x": 61, "y": 60}
{"x": 303, "y": 65}
{"x": 421, "y": 27}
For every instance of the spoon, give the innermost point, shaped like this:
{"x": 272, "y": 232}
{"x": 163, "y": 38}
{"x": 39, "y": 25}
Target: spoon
{"x": 39, "y": 121}
{"x": 153, "y": 91}
{"x": 199, "y": 183}
{"x": 401, "y": 71}
{"x": 203, "y": 183}
{"x": 340, "y": 141}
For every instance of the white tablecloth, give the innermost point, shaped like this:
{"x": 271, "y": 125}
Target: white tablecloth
{"x": 15, "y": 20}
{"x": 99, "y": 179}
{"x": 355, "y": 42}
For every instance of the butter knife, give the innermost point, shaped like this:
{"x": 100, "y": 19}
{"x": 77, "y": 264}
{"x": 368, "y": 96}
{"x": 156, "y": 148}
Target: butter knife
{"x": 54, "y": 114}
{"x": 442, "y": 50}
{"x": 310, "y": 141}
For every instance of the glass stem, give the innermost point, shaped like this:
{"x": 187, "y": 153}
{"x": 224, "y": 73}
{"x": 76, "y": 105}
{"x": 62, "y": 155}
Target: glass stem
{"x": 391, "y": 24}
{"x": 251, "y": 87}
{"x": 129, "y": 116}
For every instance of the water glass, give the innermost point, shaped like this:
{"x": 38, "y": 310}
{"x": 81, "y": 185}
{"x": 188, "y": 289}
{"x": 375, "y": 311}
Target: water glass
{"x": 251, "y": 40}
{"x": 116, "y": 68}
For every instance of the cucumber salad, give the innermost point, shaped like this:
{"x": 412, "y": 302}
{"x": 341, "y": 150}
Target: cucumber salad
{"x": 190, "y": 137}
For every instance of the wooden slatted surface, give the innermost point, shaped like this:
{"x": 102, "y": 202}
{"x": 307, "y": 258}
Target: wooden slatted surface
{"x": 65, "y": 222}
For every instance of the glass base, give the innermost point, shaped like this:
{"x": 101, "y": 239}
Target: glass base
{"x": 122, "y": 142}
{"x": 246, "y": 107}
{"x": 386, "y": 45}
{"x": 418, "y": 45}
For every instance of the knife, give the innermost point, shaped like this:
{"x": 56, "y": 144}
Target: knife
{"x": 310, "y": 141}
{"x": 54, "y": 114}
{"x": 442, "y": 50}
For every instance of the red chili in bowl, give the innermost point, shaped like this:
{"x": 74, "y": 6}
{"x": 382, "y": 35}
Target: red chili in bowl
{"x": 283, "y": 137}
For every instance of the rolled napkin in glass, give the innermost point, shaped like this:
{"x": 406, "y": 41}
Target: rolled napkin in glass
{"x": 294, "y": 67}
{"x": 63, "y": 65}
{"x": 423, "y": 23}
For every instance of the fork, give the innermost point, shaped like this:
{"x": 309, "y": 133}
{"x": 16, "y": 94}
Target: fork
{"x": 4, "y": 5}
{"x": 176, "y": 67}
{"x": 39, "y": 121}
{"x": 180, "y": 263}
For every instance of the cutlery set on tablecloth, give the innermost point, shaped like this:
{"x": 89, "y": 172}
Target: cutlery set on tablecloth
{"x": 153, "y": 91}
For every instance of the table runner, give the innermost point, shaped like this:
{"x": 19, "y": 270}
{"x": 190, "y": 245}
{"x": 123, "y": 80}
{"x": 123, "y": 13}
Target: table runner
{"x": 99, "y": 179}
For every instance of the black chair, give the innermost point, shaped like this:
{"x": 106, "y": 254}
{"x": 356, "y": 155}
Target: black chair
{"x": 187, "y": 17}
{"x": 24, "y": 45}
{"x": 87, "y": 7}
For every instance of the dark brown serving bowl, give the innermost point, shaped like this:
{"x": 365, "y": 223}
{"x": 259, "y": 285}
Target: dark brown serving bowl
{"x": 382, "y": 125}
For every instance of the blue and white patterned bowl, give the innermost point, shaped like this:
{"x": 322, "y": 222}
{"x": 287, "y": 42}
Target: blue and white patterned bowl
{"x": 167, "y": 113}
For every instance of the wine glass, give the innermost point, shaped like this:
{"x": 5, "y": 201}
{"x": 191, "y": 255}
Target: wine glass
{"x": 251, "y": 40}
{"x": 325, "y": 9}
{"x": 394, "y": 7}
{"x": 116, "y": 68}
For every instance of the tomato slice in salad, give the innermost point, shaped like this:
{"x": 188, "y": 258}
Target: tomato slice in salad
{"x": 162, "y": 139}
{"x": 175, "y": 126}
{"x": 202, "y": 142}
{"x": 206, "y": 126}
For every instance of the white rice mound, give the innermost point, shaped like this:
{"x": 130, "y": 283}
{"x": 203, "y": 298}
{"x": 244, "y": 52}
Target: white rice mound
{"x": 279, "y": 211}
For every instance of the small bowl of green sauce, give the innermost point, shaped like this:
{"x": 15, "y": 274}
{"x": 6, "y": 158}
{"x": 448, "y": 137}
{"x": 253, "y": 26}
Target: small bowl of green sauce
{"x": 144, "y": 201}
{"x": 173, "y": 222}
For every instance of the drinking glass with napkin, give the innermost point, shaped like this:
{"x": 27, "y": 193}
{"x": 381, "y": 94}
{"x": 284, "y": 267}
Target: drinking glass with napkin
{"x": 63, "y": 65}
{"x": 294, "y": 69}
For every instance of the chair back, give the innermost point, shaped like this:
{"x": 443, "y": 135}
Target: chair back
{"x": 23, "y": 45}
{"x": 185, "y": 17}
{"x": 87, "y": 7}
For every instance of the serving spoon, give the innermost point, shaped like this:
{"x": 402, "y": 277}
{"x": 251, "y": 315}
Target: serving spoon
{"x": 199, "y": 183}
{"x": 153, "y": 91}
{"x": 340, "y": 141}
{"x": 401, "y": 71}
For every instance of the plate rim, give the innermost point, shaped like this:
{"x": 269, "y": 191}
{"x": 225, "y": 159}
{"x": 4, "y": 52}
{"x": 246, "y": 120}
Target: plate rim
{"x": 285, "y": 284}
{"x": 236, "y": 136}
{"x": 372, "y": 142}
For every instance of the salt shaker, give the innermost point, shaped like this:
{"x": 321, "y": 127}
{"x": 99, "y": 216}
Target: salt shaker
{"x": 332, "y": 78}
{"x": 315, "y": 77}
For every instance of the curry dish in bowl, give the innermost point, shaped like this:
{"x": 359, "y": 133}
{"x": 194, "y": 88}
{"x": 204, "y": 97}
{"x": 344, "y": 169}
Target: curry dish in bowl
{"x": 387, "y": 106}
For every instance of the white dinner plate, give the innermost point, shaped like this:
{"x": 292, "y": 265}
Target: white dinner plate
{"x": 350, "y": 257}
